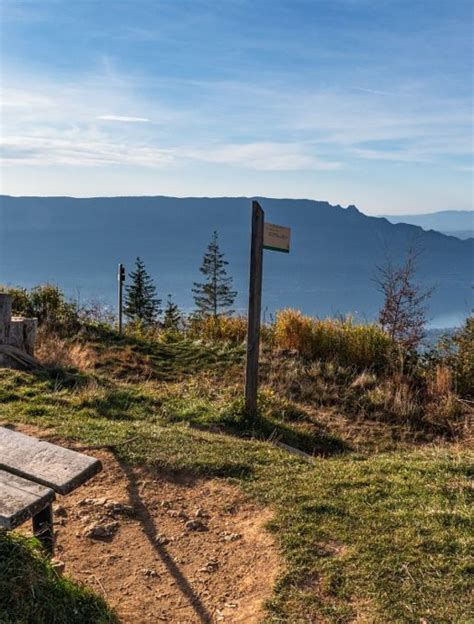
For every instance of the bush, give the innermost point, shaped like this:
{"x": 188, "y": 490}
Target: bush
{"x": 47, "y": 303}
{"x": 226, "y": 328}
{"x": 363, "y": 346}
{"x": 456, "y": 352}
{"x": 464, "y": 359}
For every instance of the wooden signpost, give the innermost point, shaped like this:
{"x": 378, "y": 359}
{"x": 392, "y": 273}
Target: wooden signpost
{"x": 264, "y": 236}
{"x": 120, "y": 281}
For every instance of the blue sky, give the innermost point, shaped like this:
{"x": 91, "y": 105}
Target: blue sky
{"x": 352, "y": 101}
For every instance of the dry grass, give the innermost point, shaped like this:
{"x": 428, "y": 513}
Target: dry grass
{"x": 57, "y": 352}
{"x": 343, "y": 341}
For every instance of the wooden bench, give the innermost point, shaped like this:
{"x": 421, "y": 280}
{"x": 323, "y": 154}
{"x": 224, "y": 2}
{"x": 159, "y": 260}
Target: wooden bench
{"x": 31, "y": 472}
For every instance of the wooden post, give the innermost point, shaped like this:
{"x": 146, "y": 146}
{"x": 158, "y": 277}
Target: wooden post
{"x": 254, "y": 311}
{"x": 120, "y": 279}
{"x": 43, "y": 528}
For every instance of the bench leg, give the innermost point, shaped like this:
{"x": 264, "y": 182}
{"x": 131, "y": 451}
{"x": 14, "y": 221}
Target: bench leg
{"x": 43, "y": 528}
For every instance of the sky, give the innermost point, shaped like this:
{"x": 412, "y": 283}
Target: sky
{"x": 365, "y": 102}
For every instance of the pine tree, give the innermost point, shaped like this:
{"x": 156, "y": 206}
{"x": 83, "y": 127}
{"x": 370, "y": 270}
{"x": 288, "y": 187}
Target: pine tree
{"x": 214, "y": 296}
{"x": 141, "y": 302}
{"x": 172, "y": 318}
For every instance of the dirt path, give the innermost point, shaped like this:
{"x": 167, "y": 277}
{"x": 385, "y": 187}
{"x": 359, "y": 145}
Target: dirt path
{"x": 167, "y": 550}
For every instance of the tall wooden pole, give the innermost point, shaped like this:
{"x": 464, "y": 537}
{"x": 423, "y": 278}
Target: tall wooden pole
{"x": 254, "y": 311}
{"x": 120, "y": 280}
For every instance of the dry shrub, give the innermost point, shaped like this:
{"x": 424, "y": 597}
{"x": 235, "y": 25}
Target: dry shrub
{"x": 394, "y": 399}
{"x": 226, "y": 328}
{"x": 55, "y": 351}
{"x": 440, "y": 382}
{"x": 363, "y": 346}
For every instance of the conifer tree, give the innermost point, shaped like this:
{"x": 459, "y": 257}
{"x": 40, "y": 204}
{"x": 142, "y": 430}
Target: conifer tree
{"x": 141, "y": 302}
{"x": 172, "y": 317}
{"x": 215, "y": 296}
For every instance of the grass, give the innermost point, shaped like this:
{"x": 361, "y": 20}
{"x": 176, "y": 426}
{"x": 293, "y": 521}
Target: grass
{"x": 31, "y": 591}
{"x": 369, "y": 533}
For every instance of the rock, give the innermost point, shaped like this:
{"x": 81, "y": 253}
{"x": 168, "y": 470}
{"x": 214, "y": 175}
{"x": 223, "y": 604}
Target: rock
{"x": 120, "y": 509}
{"x": 162, "y": 540}
{"x": 101, "y": 530}
{"x": 61, "y": 522}
{"x": 58, "y": 565}
{"x": 231, "y": 537}
{"x": 61, "y": 511}
{"x": 195, "y": 525}
{"x": 86, "y": 501}
{"x": 150, "y": 573}
{"x": 211, "y": 566}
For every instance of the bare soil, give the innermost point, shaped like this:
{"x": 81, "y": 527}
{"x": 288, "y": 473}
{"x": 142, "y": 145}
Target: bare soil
{"x": 180, "y": 550}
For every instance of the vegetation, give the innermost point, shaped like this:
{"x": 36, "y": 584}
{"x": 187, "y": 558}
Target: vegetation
{"x": 142, "y": 306}
{"x": 172, "y": 320}
{"x": 341, "y": 341}
{"x": 47, "y": 303}
{"x": 214, "y": 296}
{"x": 403, "y": 314}
{"x": 376, "y": 527}
{"x": 31, "y": 590}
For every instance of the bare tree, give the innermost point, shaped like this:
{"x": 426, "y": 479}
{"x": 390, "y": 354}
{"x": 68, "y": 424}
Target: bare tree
{"x": 403, "y": 314}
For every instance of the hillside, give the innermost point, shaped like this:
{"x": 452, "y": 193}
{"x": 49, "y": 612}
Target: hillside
{"x": 77, "y": 243}
{"x": 459, "y": 223}
{"x": 371, "y": 524}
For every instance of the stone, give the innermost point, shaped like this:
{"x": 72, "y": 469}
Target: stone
{"x": 195, "y": 525}
{"x": 101, "y": 530}
{"x": 162, "y": 540}
{"x": 58, "y": 565}
{"x": 211, "y": 566}
{"x": 121, "y": 509}
{"x": 231, "y": 537}
{"x": 61, "y": 511}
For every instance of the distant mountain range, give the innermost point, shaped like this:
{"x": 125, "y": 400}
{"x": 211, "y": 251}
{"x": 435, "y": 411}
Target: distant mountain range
{"x": 77, "y": 243}
{"x": 458, "y": 223}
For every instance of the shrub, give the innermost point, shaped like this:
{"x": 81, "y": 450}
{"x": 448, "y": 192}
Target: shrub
{"x": 47, "y": 303}
{"x": 456, "y": 352}
{"x": 464, "y": 359}
{"x": 226, "y": 328}
{"x": 343, "y": 341}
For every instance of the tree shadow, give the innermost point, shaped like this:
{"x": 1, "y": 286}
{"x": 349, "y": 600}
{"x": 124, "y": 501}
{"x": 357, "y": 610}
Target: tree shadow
{"x": 150, "y": 530}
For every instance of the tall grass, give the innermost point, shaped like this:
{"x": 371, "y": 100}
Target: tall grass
{"x": 340, "y": 340}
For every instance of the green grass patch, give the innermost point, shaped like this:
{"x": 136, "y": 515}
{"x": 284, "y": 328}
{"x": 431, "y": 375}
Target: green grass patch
{"x": 32, "y": 592}
{"x": 382, "y": 537}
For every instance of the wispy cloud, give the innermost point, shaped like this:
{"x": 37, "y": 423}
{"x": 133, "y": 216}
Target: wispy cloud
{"x": 261, "y": 127}
{"x": 123, "y": 118}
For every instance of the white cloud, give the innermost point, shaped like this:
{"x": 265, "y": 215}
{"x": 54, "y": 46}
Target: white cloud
{"x": 262, "y": 156}
{"x": 123, "y": 118}
{"x": 257, "y": 127}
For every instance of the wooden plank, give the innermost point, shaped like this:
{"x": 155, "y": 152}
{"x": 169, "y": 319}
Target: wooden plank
{"x": 21, "y": 499}
{"x": 61, "y": 469}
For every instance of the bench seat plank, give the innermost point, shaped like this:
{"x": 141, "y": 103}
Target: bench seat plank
{"x": 61, "y": 469}
{"x": 21, "y": 499}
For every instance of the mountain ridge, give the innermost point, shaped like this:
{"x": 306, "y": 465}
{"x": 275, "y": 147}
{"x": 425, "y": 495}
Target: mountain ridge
{"x": 329, "y": 270}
